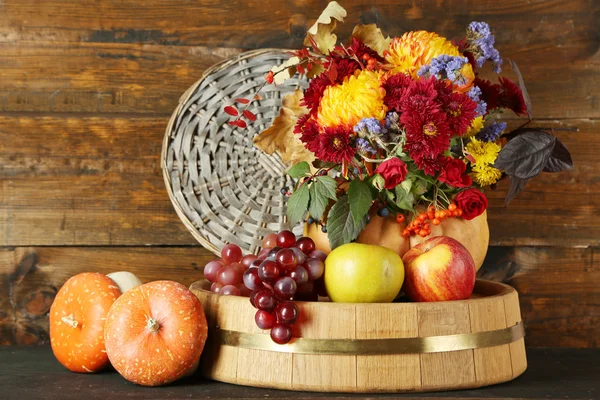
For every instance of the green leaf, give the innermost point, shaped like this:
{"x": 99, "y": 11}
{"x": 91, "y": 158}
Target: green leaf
{"x": 328, "y": 185}
{"x": 406, "y": 185}
{"x": 419, "y": 187}
{"x": 404, "y": 200}
{"x": 298, "y": 170}
{"x": 323, "y": 164}
{"x": 359, "y": 197}
{"x": 297, "y": 205}
{"x": 341, "y": 227}
{"x": 318, "y": 200}
{"x": 389, "y": 194}
{"x": 378, "y": 182}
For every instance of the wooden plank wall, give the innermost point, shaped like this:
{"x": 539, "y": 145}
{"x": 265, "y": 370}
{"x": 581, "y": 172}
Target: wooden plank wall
{"x": 87, "y": 87}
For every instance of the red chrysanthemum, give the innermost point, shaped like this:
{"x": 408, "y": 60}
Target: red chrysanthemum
{"x": 430, "y": 165}
{"x": 335, "y": 145}
{"x": 359, "y": 49}
{"x": 300, "y": 123}
{"x": 339, "y": 69}
{"x": 310, "y": 135}
{"x": 511, "y": 97}
{"x": 395, "y": 87}
{"x": 444, "y": 90}
{"x": 489, "y": 92}
{"x": 460, "y": 112}
{"x": 506, "y": 94}
{"x": 427, "y": 134}
{"x": 314, "y": 92}
{"x": 344, "y": 67}
{"x": 420, "y": 97}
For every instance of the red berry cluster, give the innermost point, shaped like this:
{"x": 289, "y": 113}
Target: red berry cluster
{"x": 420, "y": 225}
{"x": 286, "y": 269}
{"x": 371, "y": 62}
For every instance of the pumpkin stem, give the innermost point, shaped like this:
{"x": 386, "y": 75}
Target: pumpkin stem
{"x": 70, "y": 320}
{"x": 152, "y": 325}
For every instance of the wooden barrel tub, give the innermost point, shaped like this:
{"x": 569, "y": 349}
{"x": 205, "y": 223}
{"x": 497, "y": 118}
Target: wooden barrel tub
{"x": 392, "y": 347}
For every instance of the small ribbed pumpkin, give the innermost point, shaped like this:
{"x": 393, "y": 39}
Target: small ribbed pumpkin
{"x": 77, "y": 321}
{"x": 155, "y": 333}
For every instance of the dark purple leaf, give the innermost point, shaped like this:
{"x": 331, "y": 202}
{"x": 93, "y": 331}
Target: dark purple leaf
{"x": 526, "y": 155}
{"x": 523, "y": 88}
{"x": 516, "y": 185}
{"x": 560, "y": 158}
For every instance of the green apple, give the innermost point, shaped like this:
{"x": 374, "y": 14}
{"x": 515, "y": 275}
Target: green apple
{"x": 363, "y": 273}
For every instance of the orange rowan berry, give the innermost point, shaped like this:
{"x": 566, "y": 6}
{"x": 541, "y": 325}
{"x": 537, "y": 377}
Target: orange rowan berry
{"x": 452, "y": 207}
{"x": 400, "y": 218}
{"x": 436, "y": 221}
{"x": 422, "y": 233}
{"x": 406, "y": 233}
{"x": 270, "y": 77}
{"x": 459, "y": 211}
{"x": 431, "y": 209}
{"x": 438, "y": 214}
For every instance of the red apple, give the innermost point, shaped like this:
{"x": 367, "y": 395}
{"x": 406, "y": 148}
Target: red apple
{"x": 439, "y": 269}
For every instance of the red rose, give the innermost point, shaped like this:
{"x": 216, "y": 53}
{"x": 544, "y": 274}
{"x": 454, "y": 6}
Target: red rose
{"x": 472, "y": 202}
{"x": 393, "y": 172}
{"x": 454, "y": 173}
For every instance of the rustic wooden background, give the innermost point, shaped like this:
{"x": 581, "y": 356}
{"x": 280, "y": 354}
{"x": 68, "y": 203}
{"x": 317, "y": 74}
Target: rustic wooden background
{"x": 87, "y": 87}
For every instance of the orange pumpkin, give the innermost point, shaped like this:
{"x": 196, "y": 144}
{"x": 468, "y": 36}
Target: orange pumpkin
{"x": 155, "y": 333}
{"x": 386, "y": 232}
{"x": 77, "y": 321}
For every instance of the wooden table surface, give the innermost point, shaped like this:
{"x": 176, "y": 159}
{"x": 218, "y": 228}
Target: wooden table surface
{"x": 32, "y": 373}
{"x": 87, "y": 88}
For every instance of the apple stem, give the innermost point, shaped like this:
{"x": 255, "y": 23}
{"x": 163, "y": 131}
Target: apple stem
{"x": 152, "y": 325}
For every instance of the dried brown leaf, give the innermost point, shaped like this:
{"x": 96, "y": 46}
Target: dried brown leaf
{"x": 372, "y": 36}
{"x": 292, "y": 102}
{"x": 284, "y": 71}
{"x": 314, "y": 71}
{"x": 280, "y": 135}
{"x": 322, "y": 30}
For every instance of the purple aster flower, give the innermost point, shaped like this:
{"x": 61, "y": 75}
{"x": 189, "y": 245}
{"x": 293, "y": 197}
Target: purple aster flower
{"x": 481, "y": 43}
{"x": 371, "y": 125}
{"x": 475, "y": 94}
{"x": 445, "y": 67}
{"x": 363, "y": 146}
{"x": 492, "y": 132}
{"x": 392, "y": 120}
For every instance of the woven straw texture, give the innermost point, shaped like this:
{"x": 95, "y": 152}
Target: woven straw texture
{"x": 223, "y": 188}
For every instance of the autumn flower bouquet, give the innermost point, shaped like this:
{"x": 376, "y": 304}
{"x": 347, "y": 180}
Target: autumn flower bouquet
{"x": 404, "y": 126}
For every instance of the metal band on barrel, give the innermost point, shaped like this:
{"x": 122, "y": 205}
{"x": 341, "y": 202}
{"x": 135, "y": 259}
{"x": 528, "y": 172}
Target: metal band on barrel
{"x": 418, "y": 345}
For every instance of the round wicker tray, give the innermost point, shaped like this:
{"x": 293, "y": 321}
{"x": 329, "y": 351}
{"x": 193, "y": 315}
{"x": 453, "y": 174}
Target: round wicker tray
{"x": 223, "y": 188}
